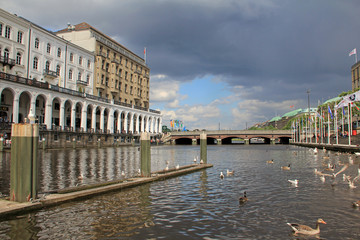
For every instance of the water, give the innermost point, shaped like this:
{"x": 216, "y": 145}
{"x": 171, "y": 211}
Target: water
{"x": 196, "y": 206}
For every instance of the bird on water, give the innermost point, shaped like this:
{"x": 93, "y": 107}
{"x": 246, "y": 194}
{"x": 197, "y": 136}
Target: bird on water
{"x": 243, "y": 199}
{"x": 306, "y": 230}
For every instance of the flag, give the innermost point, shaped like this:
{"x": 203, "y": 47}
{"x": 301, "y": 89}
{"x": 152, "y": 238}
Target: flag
{"x": 352, "y": 52}
{"x": 354, "y": 105}
{"x": 330, "y": 112}
{"x": 291, "y": 106}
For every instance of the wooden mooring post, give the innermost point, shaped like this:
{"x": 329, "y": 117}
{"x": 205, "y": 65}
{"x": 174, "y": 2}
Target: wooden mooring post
{"x": 203, "y": 147}
{"x": 24, "y": 165}
{"x": 145, "y": 154}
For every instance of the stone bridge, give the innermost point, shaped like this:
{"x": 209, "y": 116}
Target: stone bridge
{"x": 230, "y": 137}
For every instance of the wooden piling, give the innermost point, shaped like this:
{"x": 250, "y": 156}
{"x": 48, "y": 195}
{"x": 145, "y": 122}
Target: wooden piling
{"x": 203, "y": 147}
{"x": 24, "y": 166}
{"x": 145, "y": 154}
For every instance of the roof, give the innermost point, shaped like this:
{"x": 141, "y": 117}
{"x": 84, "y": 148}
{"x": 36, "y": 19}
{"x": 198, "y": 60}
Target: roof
{"x": 277, "y": 118}
{"x": 85, "y": 26}
{"x": 292, "y": 113}
{"x": 333, "y": 100}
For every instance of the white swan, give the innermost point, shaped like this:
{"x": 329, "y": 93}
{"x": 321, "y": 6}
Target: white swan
{"x": 294, "y": 182}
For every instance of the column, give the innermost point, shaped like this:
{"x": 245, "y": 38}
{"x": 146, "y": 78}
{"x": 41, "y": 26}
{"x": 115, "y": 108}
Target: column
{"x": 84, "y": 117}
{"x": 48, "y": 114}
{"x": 110, "y": 124}
{"x": 93, "y": 119}
{"x": 62, "y": 115}
{"x": 16, "y": 109}
{"x": 73, "y": 116}
{"x": 102, "y": 119}
{"x": 145, "y": 154}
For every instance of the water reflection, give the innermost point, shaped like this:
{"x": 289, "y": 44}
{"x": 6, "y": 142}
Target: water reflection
{"x": 198, "y": 205}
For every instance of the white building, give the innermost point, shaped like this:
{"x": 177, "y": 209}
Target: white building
{"x": 30, "y": 51}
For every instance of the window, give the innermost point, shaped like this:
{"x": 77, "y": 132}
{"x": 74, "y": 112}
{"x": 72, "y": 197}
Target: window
{"x": 20, "y": 36}
{"x": 70, "y": 74}
{"x": 80, "y": 60}
{"x": 6, "y": 53}
{"x": 88, "y": 78}
{"x": 35, "y": 63}
{"x": 107, "y": 81}
{"x": 7, "y": 31}
{"x": 37, "y": 43}
{"x": 48, "y": 48}
{"x": 58, "y": 70}
{"x": 79, "y": 76}
{"x": 47, "y": 66}
{"x": 89, "y": 64}
{"x": 1, "y": 29}
{"x": 71, "y": 57}
{"x": 59, "y": 52}
{"x": 107, "y": 53}
{"x": 18, "y": 58}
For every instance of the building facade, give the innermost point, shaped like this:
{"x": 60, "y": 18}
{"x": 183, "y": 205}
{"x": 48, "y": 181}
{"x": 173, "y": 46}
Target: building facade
{"x": 120, "y": 75}
{"x": 355, "y": 77}
{"x": 47, "y": 77}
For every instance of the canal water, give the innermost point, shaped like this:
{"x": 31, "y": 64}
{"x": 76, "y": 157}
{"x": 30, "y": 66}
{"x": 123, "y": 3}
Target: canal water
{"x": 199, "y": 205}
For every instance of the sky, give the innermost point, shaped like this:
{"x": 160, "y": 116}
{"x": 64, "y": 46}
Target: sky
{"x": 223, "y": 64}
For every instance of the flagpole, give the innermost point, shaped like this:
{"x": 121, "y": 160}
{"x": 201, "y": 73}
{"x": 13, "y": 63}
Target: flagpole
{"x": 335, "y": 127}
{"x": 328, "y": 137}
{"x": 349, "y": 123}
{"x": 316, "y": 127}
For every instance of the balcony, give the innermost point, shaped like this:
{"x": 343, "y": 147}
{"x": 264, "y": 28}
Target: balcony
{"x": 50, "y": 73}
{"x": 84, "y": 83}
{"x": 7, "y": 61}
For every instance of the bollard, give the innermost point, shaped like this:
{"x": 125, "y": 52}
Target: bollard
{"x": 24, "y": 166}
{"x": 145, "y": 154}
{"x": 99, "y": 142}
{"x": 43, "y": 144}
{"x": 203, "y": 147}
{"x": 74, "y": 143}
{"x": 1, "y": 144}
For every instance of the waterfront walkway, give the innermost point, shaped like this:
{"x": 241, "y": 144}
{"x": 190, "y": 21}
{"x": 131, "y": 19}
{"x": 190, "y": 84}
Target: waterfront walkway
{"x": 8, "y": 208}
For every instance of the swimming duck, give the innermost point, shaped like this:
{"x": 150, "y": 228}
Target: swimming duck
{"x": 294, "y": 182}
{"x": 270, "y": 161}
{"x": 243, "y": 199}
{"x": 221, "y": 175}
{"x": 285, "y": 167}
{"x": 229, "y": 173}
{"x": 356, "y": 204}
{"x": 306, "y": 230}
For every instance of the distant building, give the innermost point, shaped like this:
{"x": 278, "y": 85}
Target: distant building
{"x": 120, "y": 75}
{"x": 355, "y": 77}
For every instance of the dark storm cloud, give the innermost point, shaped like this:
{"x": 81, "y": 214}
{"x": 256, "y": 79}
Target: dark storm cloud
{"x": 285, "y": 46}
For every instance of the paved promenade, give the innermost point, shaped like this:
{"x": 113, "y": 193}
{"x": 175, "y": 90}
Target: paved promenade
{"x": 8, "y": 208}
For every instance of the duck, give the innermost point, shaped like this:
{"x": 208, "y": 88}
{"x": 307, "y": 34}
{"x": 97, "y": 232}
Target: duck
{"x": 194, "y": 160}
{"x": 294, "y": 182}
{"x": 229, "y": 173}
{"x": 177, "y": 167}
{"x": 306, "y": 230}
{"x": 270, "y": 161}
{"x": 356, "y": 204}
{"x": 221, "y": 175}
{"x": 243, "y": 199}
{"x": 285, "y": 167}
{"x": 201, "y": 161}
